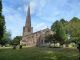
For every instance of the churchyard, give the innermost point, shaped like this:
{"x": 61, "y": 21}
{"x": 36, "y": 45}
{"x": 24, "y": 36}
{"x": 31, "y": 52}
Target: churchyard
{"x": 36, "y": 53}
{"x": 59, "y": 41}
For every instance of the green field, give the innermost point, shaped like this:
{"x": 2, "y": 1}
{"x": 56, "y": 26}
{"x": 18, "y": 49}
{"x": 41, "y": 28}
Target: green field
{"x": 39, "y": 54}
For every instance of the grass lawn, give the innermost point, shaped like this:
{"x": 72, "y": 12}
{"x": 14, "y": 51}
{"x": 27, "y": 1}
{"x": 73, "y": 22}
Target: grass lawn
{"x": 39, "y": 54}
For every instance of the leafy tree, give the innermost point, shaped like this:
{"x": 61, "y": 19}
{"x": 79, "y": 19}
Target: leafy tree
{"x": 2, "y": 23}
{"x": 58, "y": 28}
{"x": 6, "y": 38}
{"x": 49, "y": 38}
{"x": 73, "y": 29}
{"x": 16, "y": 40}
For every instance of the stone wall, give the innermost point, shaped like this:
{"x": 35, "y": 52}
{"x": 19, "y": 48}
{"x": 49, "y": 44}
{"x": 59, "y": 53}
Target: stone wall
{"x": 35, "y": 39}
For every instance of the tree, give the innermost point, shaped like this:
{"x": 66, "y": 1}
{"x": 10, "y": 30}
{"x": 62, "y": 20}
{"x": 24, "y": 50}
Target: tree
{"x": 16, "y": 40}
{"x": 60, "y": 33}
{"x": 73, "y": 29}
{"x": 6, "y": 38}
{"x": 49, "y": 38}
{"x": 2, "y": 23}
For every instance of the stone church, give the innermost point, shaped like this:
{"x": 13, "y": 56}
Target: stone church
{"x": 31, "y": 39}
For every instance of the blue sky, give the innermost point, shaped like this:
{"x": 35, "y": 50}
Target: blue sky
{"x": 43, "y": 13}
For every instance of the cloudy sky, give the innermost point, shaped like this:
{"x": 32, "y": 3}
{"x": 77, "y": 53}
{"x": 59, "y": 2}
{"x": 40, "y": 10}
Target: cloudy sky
{"x": 43, "y": 13}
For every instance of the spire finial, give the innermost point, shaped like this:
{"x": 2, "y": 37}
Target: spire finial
{"x": 28, "y": 3}
{"x": 28, "y": 18}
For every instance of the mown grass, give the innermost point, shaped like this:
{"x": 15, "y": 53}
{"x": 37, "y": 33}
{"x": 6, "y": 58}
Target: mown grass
{"x": 39, "y": 54}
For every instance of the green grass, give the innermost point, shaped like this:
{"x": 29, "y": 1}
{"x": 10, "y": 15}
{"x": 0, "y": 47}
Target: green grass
{"x": 39, "y": 54}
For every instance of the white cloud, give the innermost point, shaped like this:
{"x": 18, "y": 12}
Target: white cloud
{"x": 36, "y": 6}
{"x": 40, "y": 26}
{"x": 14, "y": 21}
{"x": 33, "y": 6}
{"x": 39, "y": 9}
{"x": 47, "y": 10}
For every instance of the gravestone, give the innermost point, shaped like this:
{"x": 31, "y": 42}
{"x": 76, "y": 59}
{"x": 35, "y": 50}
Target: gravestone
{"x": 78, "y": 47}
{"x": 20, "y": 47}
{"x": 14, "y": 46}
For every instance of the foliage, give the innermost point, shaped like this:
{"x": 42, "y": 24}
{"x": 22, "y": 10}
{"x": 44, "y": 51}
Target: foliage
{"x": 16, "y": 40}
{"x": 59, "y": 28}
{"x": 2, "y": 23}
{"x": 73, "y": 29}
{"x": 6, "y": 38}
{"x": 67, "y": 31}
{"x": 49, "y": 38}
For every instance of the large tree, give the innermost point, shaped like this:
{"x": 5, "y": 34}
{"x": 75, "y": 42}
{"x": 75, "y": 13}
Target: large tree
{"x": 59, "y": 29}
{"x": 67, "y": 31}
{"x": 73, "y": 29}
{"x": 6, "y": 38}
{"x": 16, "y": 40}
{"x": 2, "y": 23}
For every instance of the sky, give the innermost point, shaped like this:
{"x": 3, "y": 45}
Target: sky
{"x": 43, "y": 13}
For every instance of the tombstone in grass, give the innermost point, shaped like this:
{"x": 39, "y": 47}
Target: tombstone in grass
{"x": 78, "y": 47}
{"x": 14, "y": 46}
{"x": 20, "y": 47}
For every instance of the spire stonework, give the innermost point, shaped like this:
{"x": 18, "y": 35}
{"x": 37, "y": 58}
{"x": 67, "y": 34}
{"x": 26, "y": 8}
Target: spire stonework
{"x": 27, "y": 28}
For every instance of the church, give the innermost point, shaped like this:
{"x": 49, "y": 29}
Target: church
{"x": 30, "y": 38}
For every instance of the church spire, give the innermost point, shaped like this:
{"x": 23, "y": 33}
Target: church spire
{"x": 28, "y": 18}
{"x": 28, "y": 29}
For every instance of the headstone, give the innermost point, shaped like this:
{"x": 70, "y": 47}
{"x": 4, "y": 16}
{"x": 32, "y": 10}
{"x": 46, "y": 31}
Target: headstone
{"x": 64, "y": 46}
{"x": 20, "y": 47}
{"x": 78, "y": 47}
{"x": 14, "y": 47}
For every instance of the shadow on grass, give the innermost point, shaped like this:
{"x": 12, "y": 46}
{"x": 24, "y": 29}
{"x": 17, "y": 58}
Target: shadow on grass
{"x": 39, "y": 54}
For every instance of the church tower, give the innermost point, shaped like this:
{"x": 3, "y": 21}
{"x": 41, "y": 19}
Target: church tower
{"x": 27, "y": 29}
